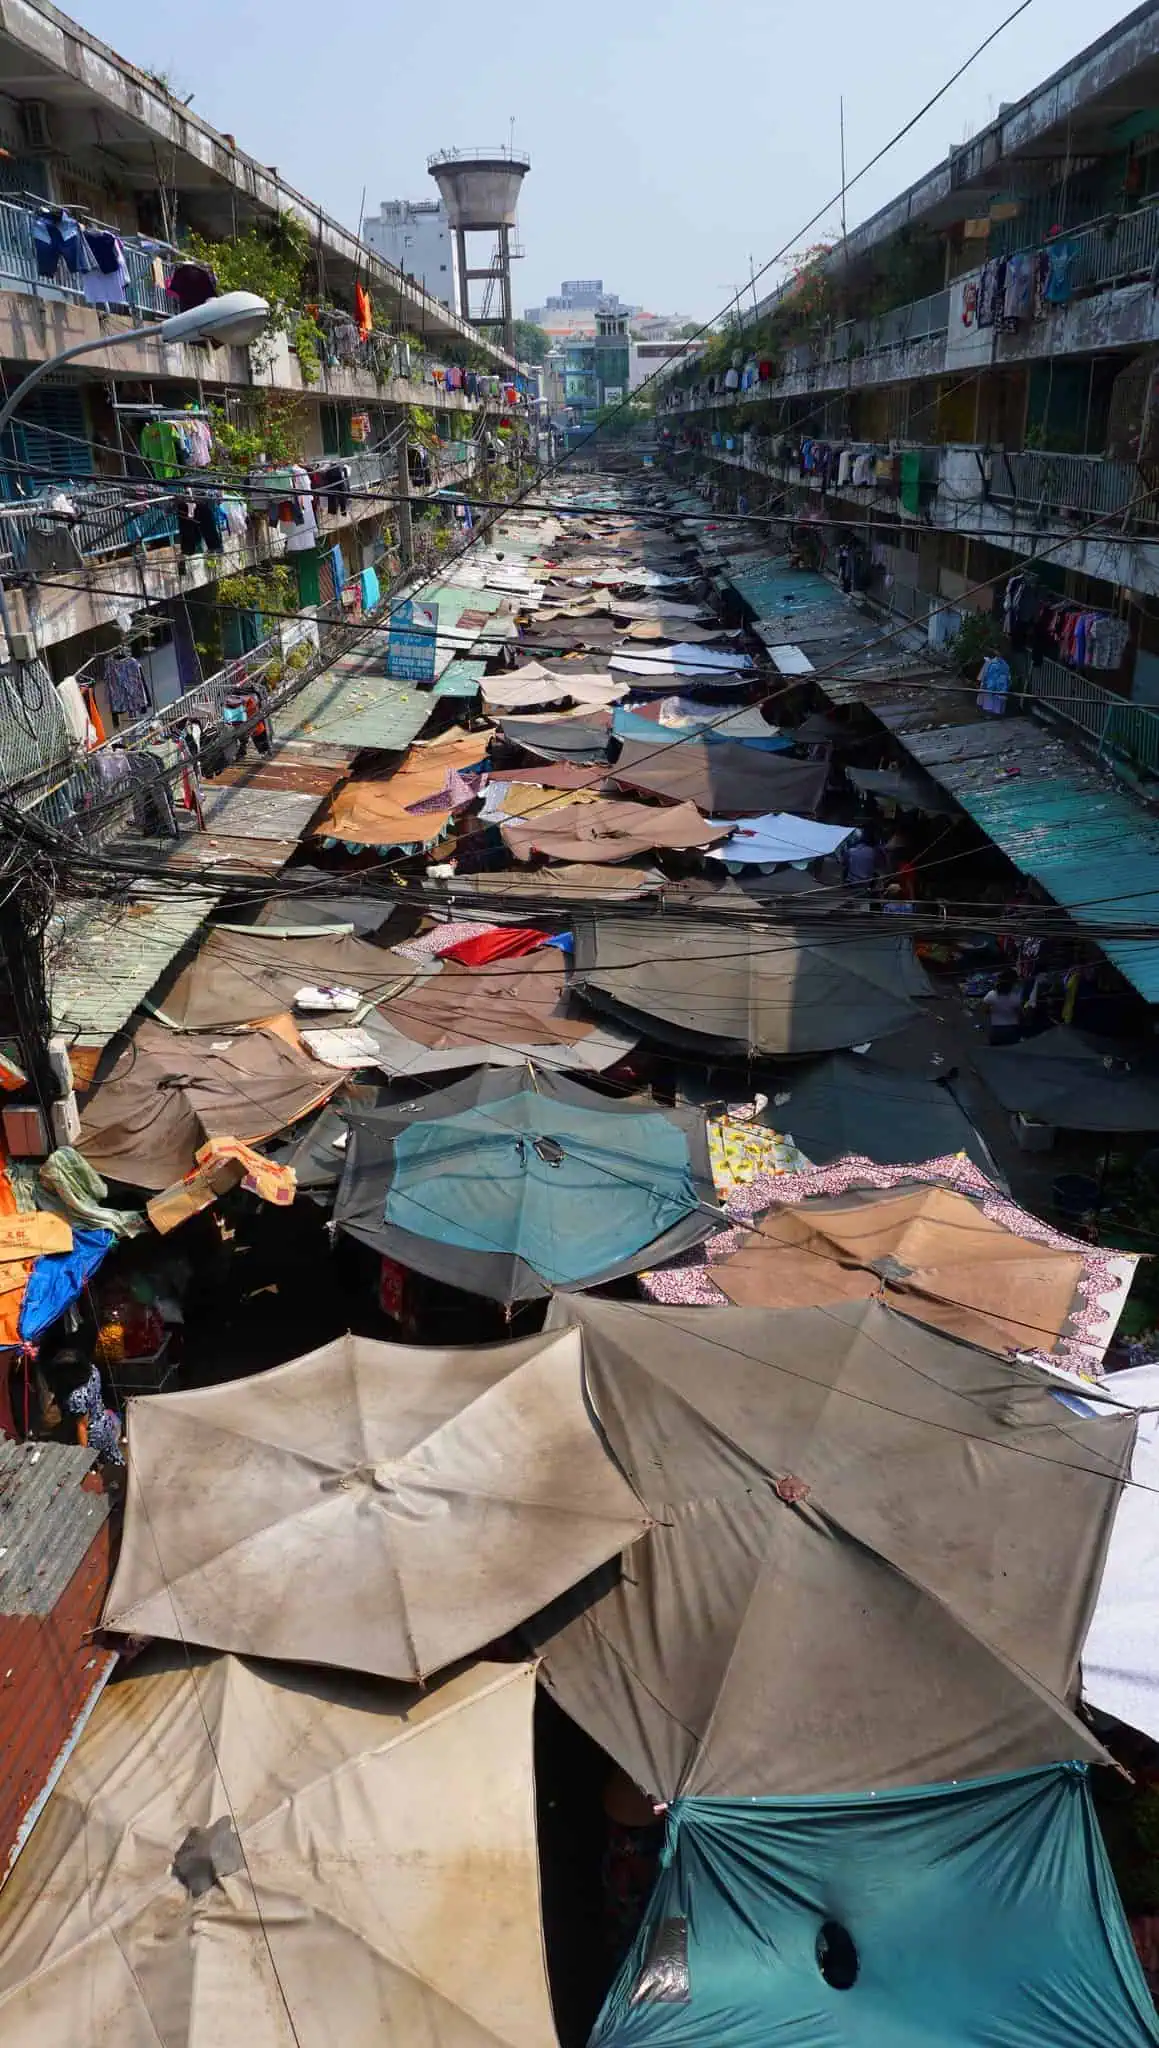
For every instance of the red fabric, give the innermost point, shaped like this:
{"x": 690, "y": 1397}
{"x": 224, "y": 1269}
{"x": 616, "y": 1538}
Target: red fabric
{"x": 506, "y": 945}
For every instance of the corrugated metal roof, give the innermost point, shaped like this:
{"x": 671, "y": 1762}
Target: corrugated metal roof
{"x": 254, "y": 812}
{"x": 356, "y": 705}
{"x": 51, "y": 1675}
{"x": 461, "y": 679}
{"x": 103, "y": 958}
{"x": 48, "y": 1519}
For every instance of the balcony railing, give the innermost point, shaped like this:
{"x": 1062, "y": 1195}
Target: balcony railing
{"x": 19, "y": 270}
{"x": 1078, "y": 483}
{"x": 1112, "y": 725}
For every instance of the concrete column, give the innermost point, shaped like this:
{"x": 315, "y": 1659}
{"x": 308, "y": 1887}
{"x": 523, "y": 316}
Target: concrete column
{"x": 464, "y": 280}
{"x": 406, "y": 542}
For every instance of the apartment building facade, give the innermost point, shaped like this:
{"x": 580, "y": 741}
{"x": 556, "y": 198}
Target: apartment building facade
{"x": 132, "y": 483}
{"x": 970, "y": 380}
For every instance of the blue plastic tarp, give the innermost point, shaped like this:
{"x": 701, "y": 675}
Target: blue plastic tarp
{"x": 58, "y": 1279}
{"x": 983, "y": 1912}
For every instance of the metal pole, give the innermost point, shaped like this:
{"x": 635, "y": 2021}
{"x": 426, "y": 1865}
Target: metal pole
{"x": 406, "y": 545}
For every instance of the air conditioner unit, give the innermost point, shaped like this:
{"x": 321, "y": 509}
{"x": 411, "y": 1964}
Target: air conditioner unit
{"x": 35, "y": 122}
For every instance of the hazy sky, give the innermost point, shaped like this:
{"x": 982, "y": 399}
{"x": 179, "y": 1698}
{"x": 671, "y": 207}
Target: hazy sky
{"x": 668, "y": 142}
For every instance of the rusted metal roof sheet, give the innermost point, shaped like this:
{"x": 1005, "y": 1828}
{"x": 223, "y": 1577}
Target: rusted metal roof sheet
{"x": 255, "y": 811}
{"x": 47, "y": 1521}
{"x": 57, "y": 1540}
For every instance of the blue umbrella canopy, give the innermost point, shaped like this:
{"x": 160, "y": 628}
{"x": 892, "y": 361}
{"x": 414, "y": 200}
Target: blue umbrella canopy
{"x": 514, "y": 1183}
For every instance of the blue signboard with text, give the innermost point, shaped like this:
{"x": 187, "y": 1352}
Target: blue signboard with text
{"x": 410, "y": 651}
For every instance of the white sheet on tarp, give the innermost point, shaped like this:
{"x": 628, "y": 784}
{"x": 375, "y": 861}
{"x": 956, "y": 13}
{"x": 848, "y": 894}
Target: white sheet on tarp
{"x": 1120, "y": 1658}
{"x": 778, "y": 836}
{"x": 524, "y": 688}
{"x": 791, "y": 661}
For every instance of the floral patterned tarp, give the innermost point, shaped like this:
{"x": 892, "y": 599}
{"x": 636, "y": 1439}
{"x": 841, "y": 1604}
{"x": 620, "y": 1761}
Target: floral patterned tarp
{"x": 1103, "y": 1289}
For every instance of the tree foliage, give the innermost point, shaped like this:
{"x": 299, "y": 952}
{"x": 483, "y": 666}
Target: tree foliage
{"x": 531, "y": 342}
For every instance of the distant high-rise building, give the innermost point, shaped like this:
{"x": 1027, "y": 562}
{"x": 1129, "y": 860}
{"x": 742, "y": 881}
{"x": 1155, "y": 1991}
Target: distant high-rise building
{"x": 415, "y": 235}
{"x": 573, "y": 313}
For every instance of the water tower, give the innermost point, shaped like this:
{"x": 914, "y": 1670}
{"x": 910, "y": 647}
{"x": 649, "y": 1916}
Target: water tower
{"x": 480, "y": 190}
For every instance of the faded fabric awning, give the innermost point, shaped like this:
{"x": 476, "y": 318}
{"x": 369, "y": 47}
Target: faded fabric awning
{"x": 528, "y": 687}
{"x": 241, "y": 1853}
{"x": 722, "y": 778}
{"x": 778, "y": 838}
{"x": 241, "y": 975}
{"x": 1071, "y": 1079}
{"x": 960, "y": 1914}
{"x": 742, "y": 990}
{"x": 421, "y": 1503}
{"x": 597, "y": 831}
{"x": 512, "y": 1184}
{"x": 166, "y": 1096}
{"x": 858, "y": 1578}
{"x": 1120, "y": 1659}
{"x": 928, "y": 1251}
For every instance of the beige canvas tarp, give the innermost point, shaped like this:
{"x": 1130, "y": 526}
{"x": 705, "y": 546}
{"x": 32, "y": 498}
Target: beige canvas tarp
{"x": 601, "y": 831}
{"x": 166, "y": 1095}
{"x": 375, "y": 1506}
{"x": 875, "y": 1556}
{"x": 240, "y": 1856}
{"x": 928, "y": 1250}
{"x": 241, "y": 975}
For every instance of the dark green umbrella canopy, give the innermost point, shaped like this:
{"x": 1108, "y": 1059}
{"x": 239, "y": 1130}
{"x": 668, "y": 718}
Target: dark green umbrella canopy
{"x": 514, "y": 1183}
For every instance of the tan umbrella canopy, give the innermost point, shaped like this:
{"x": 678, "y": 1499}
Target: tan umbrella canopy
{"x": 374, "y": 1506}
{"x": 928, "y": 1250}
{"x": 240, "y": 1854}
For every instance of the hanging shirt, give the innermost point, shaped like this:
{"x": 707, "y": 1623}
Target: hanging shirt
{"x": 128, "y": 690}
{"x": 108, "y": 284}
{"x": 161, "y": 448}
{"x": 363, "y": 313}
{"x": 76, "y": 715}
{"x": 191, "y": 284}
{"x": 200, "y": 443}
{"x": 304, "y": 525}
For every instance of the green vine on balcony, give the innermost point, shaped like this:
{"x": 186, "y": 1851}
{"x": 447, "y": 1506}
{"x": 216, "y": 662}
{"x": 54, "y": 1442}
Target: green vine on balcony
{"x": 272, "y": 432}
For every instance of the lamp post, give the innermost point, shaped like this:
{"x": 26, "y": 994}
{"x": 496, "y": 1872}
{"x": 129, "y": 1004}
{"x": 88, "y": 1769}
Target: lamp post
{"x": 237, "y": 317}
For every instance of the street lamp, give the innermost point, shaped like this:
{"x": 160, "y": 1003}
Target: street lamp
{"x": 237, "y": 317}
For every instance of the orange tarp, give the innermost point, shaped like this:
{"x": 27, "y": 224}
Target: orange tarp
{"x": 375, "y": 812}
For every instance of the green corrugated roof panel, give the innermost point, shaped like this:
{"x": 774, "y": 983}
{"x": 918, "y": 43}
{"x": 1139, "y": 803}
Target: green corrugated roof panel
{"x": 353, "y": 704}
{"x": 1091, "y": 847}
{"x": 461, "y": 679}
{"x": 103, "y": 958}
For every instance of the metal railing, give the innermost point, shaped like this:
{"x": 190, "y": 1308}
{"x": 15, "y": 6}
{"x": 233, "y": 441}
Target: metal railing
{"x": 20, "y": 271}
{"x": 1113, "y": 725}
{"x": 1080, "y": 483}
